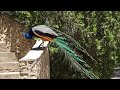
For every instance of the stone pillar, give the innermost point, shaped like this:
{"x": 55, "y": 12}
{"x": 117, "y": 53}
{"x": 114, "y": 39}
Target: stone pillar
{"x": 44, "y": 65}
{"x": 36, "y": 64}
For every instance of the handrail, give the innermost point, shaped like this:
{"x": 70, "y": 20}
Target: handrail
{"x": 34, "y": 55}
{"x": 35, "y": 52}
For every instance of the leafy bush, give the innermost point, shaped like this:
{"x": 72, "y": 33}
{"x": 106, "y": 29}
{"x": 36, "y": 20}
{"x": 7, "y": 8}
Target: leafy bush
{"x": 96, "y": 31}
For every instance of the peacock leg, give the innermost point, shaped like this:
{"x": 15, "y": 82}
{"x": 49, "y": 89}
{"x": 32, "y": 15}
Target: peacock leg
{"x": 42, "y": 44}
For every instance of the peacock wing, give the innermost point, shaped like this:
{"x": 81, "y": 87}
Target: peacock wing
{"x": 43, "y": 29}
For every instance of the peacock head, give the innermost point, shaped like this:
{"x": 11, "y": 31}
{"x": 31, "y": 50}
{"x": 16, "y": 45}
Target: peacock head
{"x": 27, "y": 35}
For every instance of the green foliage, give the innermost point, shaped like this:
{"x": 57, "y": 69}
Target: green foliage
{"x": 85, "y": 68}
{"x": 97, "y": 31}
{"x": 53, "y": 50}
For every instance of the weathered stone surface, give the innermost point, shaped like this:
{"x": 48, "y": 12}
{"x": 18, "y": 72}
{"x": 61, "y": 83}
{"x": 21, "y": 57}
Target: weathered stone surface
{"x": 10, "y": 75}
{"x": 44, "y": 66}
{"x": 7, "y": 57}
{"x": 3, "y": 47}
{"x": 115, "y": 78}
{"x": 116, "y": 73}
{"x": 11, "y": 32}
{"x": 9, "y": 65}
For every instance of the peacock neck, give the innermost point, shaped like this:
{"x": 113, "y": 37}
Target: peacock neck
{"x": 29, "y": 36}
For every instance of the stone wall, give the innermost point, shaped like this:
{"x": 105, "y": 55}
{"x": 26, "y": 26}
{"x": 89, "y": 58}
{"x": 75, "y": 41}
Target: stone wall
{"x": 44, "y": 66}
{"x": 11, "y": 32}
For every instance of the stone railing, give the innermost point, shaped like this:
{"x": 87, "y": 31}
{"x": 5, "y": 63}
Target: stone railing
{"x": 35, "y": 64}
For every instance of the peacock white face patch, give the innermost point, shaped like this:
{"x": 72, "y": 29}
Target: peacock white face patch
{"x": 24, "y": 34}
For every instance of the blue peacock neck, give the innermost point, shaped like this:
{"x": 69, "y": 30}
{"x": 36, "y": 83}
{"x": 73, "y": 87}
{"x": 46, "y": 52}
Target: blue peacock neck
{"x": 28, "y": 35}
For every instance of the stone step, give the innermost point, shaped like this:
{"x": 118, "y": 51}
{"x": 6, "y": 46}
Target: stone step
{"x": 13, "y": 66}
{"x": 10, "y": 75}
{"x": 115, "y": 78}
{"x": 30, "y": 73}
{"x": 8, "y": 57}
{"x": 3, "y": 47}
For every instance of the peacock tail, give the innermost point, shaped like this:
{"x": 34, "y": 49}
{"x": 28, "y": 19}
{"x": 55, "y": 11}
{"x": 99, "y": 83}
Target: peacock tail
{"x": 82, "y": 64}
{"x": 66, "y": 45}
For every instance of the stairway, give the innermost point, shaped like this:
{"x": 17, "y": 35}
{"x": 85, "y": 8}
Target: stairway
{"x": 9, "y": 65}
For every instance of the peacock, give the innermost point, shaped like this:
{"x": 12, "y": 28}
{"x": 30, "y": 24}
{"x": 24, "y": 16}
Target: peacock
{"x": 63, "y": 41}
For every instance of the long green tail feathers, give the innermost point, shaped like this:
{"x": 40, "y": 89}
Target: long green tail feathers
{"x": 85, "y": 68}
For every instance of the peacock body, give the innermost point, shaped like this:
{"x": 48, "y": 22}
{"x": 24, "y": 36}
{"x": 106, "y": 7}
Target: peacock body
{"x": 47, "y": 34}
